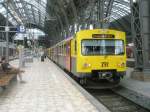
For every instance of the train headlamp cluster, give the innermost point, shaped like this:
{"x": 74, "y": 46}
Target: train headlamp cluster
{"x": 121, "y": 65}
{"x": 86, "y": 65}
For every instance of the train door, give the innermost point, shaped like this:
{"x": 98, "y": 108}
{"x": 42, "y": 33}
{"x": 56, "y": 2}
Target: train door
{"x": 68, "y": 55}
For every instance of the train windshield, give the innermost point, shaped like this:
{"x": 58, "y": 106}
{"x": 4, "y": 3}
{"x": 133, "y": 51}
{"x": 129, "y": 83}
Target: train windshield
{"x": 102, "y": 47}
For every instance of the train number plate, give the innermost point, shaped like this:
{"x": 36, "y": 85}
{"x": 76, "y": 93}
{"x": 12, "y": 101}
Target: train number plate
{"x": 104, "y": 64}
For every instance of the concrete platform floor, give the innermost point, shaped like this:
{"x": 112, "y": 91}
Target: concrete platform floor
{"x": 46, "y": 89}
{"x": 135, "y": 90}
{"x": 136, "y": 85}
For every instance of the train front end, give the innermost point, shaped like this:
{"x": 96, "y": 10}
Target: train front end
{"x": 101, "y": 54}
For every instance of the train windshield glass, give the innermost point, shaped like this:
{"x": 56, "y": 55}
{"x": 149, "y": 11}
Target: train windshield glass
{"x": 102, "y": 47}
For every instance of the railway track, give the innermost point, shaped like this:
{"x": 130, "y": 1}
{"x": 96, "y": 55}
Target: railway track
{"x": 115, "y": 102}
{"x": 111, "y": 100}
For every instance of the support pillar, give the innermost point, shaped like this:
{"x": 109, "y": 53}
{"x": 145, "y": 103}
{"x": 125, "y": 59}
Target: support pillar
{"x": 141, "y": 34}
{"x": 7, "y": 34}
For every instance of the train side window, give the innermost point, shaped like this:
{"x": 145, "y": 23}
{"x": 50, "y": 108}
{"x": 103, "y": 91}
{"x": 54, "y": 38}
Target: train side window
{"x": 58, "y": 50}
{"x": 75, "y": 47}
{"x": 65, "y": 49}
{"x": 1, "y": 51}
{"x": 62, "y": 49}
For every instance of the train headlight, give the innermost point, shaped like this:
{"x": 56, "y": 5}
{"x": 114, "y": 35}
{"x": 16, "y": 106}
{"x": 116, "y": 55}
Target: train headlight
{"x": 121, "y": 65}
{"x": 86, "y": 65}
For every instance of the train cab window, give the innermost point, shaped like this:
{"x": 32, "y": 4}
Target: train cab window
{"x": 119, "y": 47}
{"x": 102, "y": 47}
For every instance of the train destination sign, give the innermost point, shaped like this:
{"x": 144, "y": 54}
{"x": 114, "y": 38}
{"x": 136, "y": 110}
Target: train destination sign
{"x": 103, "y": 36}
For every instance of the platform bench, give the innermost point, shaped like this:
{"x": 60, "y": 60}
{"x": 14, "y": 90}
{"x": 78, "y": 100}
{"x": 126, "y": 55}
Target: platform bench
{"x": 5, "y": 79}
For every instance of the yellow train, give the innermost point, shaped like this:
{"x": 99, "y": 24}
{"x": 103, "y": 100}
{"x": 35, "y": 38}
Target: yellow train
{"x": 97, "y": 53}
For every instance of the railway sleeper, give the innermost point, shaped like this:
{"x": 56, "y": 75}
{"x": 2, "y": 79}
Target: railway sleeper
{"x": 127, "y": 108}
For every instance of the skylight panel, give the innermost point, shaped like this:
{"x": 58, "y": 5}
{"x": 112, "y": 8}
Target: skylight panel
{"x": 3, "y": 10}
{"x": 19, "y": 5}
{"x": 1, "y": 0}
{"x": 120, "y": 9}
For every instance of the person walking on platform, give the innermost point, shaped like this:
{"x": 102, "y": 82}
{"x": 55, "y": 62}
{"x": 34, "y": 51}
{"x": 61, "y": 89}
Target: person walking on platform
{"x": 8, "y": 69}
{"x": 42, "y": 55}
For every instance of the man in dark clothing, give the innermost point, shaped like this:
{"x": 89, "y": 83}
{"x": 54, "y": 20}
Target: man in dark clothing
{"x": 5, "y": 67}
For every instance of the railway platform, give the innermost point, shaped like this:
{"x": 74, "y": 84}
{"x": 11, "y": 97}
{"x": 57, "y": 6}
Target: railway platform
{"x": 135, "y": 90}
{"x": 136, "y": 85}
{"x": 46, "y": 88}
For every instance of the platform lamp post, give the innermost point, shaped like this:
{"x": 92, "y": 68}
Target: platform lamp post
{"x": 7, "y": 32}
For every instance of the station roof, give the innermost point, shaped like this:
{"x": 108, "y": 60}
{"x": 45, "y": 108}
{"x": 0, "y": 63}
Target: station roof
{"x": 40, "y": 12}
{"x": 25, "y": 11}
{"x": 120, "y": 9}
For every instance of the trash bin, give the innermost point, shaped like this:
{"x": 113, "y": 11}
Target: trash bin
{"x": 42, "y": 58}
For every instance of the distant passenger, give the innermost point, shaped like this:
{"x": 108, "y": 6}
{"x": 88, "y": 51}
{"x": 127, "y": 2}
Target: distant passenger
{"x": 42, "y": 55}
{"x": 6, "y": 67}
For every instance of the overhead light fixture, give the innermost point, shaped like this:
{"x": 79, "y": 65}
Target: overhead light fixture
{"x": 48, "y": 18}
{"x": 51, "y": 19}
{"x": 134, "y": 1}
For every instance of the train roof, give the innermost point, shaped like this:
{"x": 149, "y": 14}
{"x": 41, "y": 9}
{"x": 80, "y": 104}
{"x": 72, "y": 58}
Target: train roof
{"x": 88, "y": 30}
{"x": 100, "y": 30}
